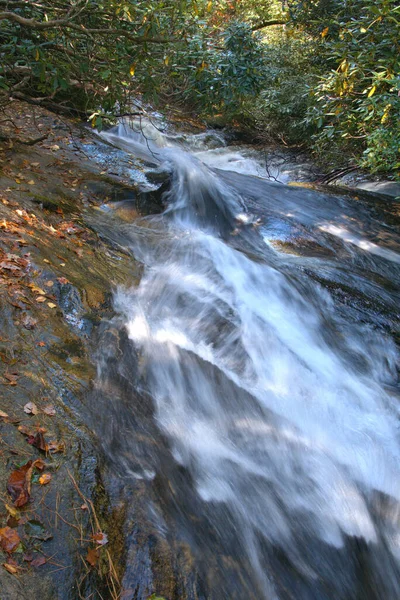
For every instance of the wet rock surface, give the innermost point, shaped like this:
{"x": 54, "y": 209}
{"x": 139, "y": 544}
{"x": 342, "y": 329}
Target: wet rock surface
{"x": 60, "y": 262}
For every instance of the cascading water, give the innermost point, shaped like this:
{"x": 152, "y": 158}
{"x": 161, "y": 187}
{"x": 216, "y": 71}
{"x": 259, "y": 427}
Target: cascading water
{"x": 279, "y": 404}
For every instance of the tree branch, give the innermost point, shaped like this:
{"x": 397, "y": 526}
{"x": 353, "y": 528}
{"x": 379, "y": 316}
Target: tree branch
{"x": 68, "y": 24}
{"x": 268, "y": 24}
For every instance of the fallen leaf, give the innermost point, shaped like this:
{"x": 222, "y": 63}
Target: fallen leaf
{"x": 55, "y": 447}
{"x": 46, "y": 261}
{"x": 41, "y": 344}
{"x": 54, "y": 147}
{"x": 38, "y": 441}
{"x": 10, "y": 568}
{"x": 38, "y": 562}
{"x": 39, "y": 464}
{"x": 51, "y": 305}
{"x": 3, "y": 415}
{"x": 45, "y": 479}
{"x": 27, "y": 431}
{"x": 19, "y": 484}
{"x": 49, "y": 283}
{"x": 36, "y": 289}
{"x": 9, "y": 539}
{"x": 31, "y": 409}
{"x": 40, "y": 299}
{"x": 100, "y": 538}
{"x": 12, "y": 511}
{"x": 92, "y": 556}
{"x": 62, "y": 280}
{"x": 84, "y": 507}
{"x": 31, "y": 182}
{"x": 49, "y": 410}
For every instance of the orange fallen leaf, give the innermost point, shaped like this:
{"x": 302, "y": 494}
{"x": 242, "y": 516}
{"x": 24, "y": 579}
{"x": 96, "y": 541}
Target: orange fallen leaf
{"x": 92, "y": 556}
{"x": 100, "y": 538}
{"x": 41, "y": 344}
{"x": 45, "y": 479}
{"x": 10, "y": 568}
{"x": 19, "y": 484}
{"x": 9, "y": 539}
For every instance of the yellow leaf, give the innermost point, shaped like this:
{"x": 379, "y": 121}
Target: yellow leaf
{"x": 132, "y": 70}
{"x": 324, "y": 32}
{"x": 45, "y": 479}
{"x": 386, "y": 112}
{"x": 209, "y": 6}
{"x": 37, "y": 55}
{"x": 166, "y": 60}
{"x": 51, "y": 305}
{"x": 372, "y": 91}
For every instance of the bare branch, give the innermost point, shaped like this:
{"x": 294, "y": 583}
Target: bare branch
{"x": 268, "y": 24}
{"x": 67, "y": 23}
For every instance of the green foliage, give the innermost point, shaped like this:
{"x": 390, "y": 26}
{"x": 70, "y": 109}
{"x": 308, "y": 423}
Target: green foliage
{"x": 280, "y": 109}
{"x": 329, "y": 79}
{"x": 88, "y": 55}
{"x": 356, "y": 105}
{"x": 219, "y": 72}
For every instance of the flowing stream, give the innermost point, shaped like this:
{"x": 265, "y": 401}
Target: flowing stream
{"x": 265, "y": 321}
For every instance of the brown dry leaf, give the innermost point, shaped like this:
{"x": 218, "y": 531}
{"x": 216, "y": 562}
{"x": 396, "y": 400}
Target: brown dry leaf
{"x": 100, "y": 538}
{"x": 31, "y": 182}
{"x": 84, "y": 507}
{"x": 45, "y": 479}
{"x": 3, "y": 415}
{"x": 38, "y": 441}
{"x": 62, "y": 280}
{"x": 41, "y": 344}
{"x": 39, "y": 464}
{"x": 40, "y": 299}
{"x": 11, "y": 378}
{"x": 92, "y": 556}
{"x": 46, "y": 261}
{"x": 19, "y": 484}
{"x": 10, "y": 568}
{"x": 49, "y": 410}
{"x": 51, "y": 305}
{"x": 27, "y": 431}
{"x": 9, "y": 539}
{"x": 31, "y": 409}
{"x": 38, "y": 562}
{"x": 36, "y": 289}
{"x": 55, "y": 446}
